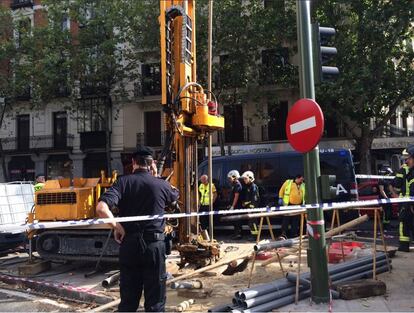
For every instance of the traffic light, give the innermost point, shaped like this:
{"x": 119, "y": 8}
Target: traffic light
{"x": 328, "y": 186}
{"x": 323, "y": 53}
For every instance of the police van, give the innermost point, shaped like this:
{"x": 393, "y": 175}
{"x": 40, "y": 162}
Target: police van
{"x": 273, "y": 168}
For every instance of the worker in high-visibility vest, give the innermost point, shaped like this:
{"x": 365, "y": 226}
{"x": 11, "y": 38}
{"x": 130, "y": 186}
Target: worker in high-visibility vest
{"x": 292, "y": 192}
{"x": 40, "y": 182}
{"x": 404, "y": 185}
{"x": 204, "y": 190}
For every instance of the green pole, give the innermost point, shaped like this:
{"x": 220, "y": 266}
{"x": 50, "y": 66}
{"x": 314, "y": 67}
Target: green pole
{"x": 317, "y": 245}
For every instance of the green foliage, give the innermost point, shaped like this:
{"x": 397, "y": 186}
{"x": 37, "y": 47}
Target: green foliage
{"x": 98, "y": 58}
{"x": 240, "y": 33}
{"x": 375, "y": 57}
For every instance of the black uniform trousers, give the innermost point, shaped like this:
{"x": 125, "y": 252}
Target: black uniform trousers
{"x": 406, "y": 229}
{"x": 204, "y": 220}
{"x": 142, "y": 266}
{"x": 293, "y": 222}
{"x": 387, "y": 211}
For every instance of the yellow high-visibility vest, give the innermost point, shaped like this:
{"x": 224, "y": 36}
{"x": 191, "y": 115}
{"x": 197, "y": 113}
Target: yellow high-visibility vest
{"x": 288, "y": 188}
{"x": 38, "y": 186}
{"x": 205, "y": 193}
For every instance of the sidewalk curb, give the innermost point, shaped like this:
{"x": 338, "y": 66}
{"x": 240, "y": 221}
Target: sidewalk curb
{"x": 61, "y": 290}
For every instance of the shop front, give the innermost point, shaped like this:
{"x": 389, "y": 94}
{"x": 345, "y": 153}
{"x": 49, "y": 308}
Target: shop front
{"x": 21, "y": 168}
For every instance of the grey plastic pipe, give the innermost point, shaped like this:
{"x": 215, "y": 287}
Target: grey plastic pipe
{"x": 275, "y": 245}
{"x": 356, "y": 270}
{"x": 221, "y": 308}
{"x": 365, "y": 274}
{"x": 264, "y": 289}
{"x": 267, "y": 307}
{"x": 270, "y": 297}
{"x": 292, "y": 278}
{"x": 111, "y": 280}
{"x": 282, "y": 284}
{"x": 192, "y": 284}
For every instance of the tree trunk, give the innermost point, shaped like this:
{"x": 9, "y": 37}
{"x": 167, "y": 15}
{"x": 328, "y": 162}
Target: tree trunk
{"x": 2, "y": 156}
{"x": 364, "y": 144}
{"x": 108, "y": 133}
{"x": 3, "y": 162}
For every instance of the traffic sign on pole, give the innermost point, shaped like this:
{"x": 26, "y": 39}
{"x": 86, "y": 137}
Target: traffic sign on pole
{"x": 304, "y": 125}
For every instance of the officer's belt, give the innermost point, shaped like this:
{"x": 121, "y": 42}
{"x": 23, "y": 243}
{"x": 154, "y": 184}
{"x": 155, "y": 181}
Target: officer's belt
{"x": 148, "y": 237}
{"x": 133, "y": 229}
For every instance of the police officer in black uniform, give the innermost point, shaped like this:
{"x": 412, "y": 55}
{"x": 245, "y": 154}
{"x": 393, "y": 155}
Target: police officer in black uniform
{"x": 142, "y": 251}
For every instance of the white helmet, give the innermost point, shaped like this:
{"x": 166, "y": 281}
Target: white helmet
{"x": 405, "y": 153}
{"x": 248, "y": 174}
{"x": 233, "y": 174}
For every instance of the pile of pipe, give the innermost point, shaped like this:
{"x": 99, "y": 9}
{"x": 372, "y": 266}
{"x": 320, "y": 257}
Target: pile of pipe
{"x": 281, "y": 292}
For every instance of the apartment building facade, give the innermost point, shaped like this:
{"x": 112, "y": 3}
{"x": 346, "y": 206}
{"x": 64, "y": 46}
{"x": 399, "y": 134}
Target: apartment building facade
{"x": 60, "y": 143}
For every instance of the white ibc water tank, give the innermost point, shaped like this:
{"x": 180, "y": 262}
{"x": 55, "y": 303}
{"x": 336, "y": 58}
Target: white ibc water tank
{"x": 16, "y": 201}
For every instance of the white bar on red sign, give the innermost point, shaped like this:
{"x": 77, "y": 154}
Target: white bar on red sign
{"x": 303, "y": 125}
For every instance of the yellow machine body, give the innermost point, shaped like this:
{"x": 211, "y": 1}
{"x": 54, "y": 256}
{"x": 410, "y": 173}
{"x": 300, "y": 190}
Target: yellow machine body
{"x": 59, "y": 202}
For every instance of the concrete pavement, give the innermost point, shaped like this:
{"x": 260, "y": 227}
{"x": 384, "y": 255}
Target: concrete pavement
{"x": 16, "y": 301}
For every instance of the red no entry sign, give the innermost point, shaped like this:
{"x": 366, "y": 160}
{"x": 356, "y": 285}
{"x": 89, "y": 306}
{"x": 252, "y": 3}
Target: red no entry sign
{"x": 304, "y": 125}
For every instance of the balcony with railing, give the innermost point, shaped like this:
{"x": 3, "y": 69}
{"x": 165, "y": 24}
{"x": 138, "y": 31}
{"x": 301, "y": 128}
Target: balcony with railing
{"x": 147, "y": 87}
{"x": 35, "y": 143}
{"x": 16, "y": 4}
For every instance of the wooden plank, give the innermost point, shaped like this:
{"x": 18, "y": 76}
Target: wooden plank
{"x": 33, "y": 268}
{"x": 361, "y": 289}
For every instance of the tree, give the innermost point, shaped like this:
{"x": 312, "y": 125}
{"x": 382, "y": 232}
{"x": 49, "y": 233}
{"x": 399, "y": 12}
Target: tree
{"x": 240, "y": 33}
{"x": 375, "y": 57}
{"x": 96, "y": 59}
{"x": 7, "y": 86}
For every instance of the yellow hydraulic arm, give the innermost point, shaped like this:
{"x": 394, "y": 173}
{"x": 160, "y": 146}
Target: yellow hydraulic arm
{"x": 185, "y": 103}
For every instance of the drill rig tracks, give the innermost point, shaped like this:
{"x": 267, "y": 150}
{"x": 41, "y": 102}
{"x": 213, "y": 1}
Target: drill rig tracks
{"x": 77, "y": 245}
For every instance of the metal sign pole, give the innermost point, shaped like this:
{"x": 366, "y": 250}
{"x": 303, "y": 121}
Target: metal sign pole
{"x": 317, "y": 245}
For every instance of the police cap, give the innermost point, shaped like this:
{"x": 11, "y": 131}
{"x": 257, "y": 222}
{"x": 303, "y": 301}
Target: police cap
{"x": 143, "y": 152}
